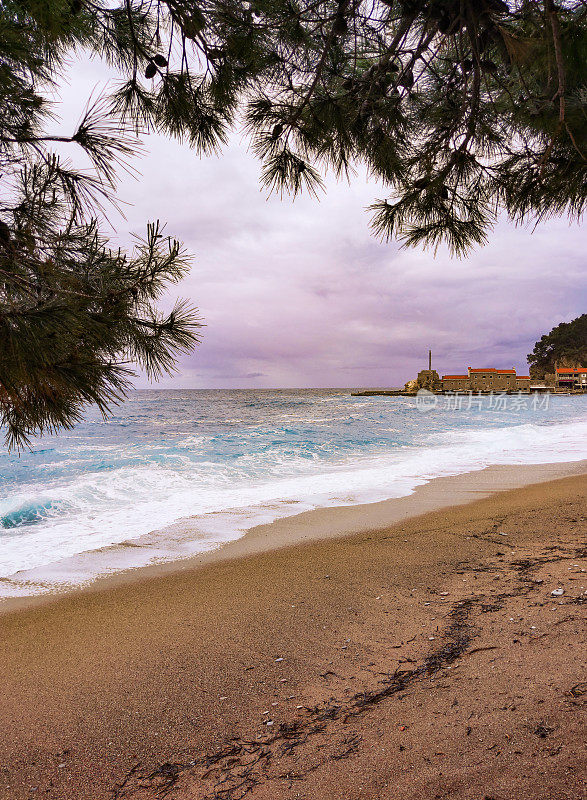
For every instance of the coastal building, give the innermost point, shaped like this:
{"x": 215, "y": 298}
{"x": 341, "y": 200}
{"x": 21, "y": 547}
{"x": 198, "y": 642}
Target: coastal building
{"x": 428, "y": 378}
{"x": 455, "y": 383}
{"x": 571, "y": 378}
{"x": 486, "y": 379}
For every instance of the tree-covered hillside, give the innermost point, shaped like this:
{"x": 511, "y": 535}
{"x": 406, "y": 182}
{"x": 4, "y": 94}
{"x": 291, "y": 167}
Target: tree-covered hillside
{"x": 564, "y": 346}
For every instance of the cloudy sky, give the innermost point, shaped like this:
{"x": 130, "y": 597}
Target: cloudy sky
{"x": 299, "y": 293}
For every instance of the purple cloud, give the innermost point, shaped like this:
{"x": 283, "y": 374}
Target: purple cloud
{"x": 300, "y": 294}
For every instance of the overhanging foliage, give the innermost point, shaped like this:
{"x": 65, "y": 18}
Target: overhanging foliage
{"x": 462, "y": 109}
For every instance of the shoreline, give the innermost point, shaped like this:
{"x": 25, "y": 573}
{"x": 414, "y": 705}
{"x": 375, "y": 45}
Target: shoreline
{"x": 308, "y": 526}
{"x": 428, "y": 658}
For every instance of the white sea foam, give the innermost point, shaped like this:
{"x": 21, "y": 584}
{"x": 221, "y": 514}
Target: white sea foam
{"x": 114, "y": 508}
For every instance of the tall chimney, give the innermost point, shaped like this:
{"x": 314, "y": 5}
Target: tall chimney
{"x": 430, "y": 360}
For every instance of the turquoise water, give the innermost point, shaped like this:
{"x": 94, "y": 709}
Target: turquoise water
{"x": 230, "y": 459}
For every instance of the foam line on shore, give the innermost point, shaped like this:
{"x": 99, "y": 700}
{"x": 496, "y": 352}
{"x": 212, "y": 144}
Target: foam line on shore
{"x": 150, "y": 506}
{"x": 143, "y": 558}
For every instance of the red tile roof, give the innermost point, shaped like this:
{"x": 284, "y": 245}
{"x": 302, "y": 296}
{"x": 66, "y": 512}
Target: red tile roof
{"x": 571, "y": 370}
{"x": 492, "y": 369}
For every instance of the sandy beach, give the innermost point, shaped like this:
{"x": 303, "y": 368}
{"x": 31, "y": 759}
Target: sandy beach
{"x": 392, "y": 657}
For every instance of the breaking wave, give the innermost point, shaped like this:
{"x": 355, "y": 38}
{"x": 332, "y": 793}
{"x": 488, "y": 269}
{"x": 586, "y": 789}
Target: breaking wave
{"x": 243, "y": 458}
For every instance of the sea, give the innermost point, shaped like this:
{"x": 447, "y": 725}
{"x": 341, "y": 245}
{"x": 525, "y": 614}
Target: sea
{"x": 170, "y": 474}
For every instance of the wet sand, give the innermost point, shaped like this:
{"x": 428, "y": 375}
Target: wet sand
{"x": 424, "y": 659}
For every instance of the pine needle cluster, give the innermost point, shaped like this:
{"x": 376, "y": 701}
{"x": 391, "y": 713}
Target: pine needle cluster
{"x": 463, "y": 109}
{"x": 75, "y": 314}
